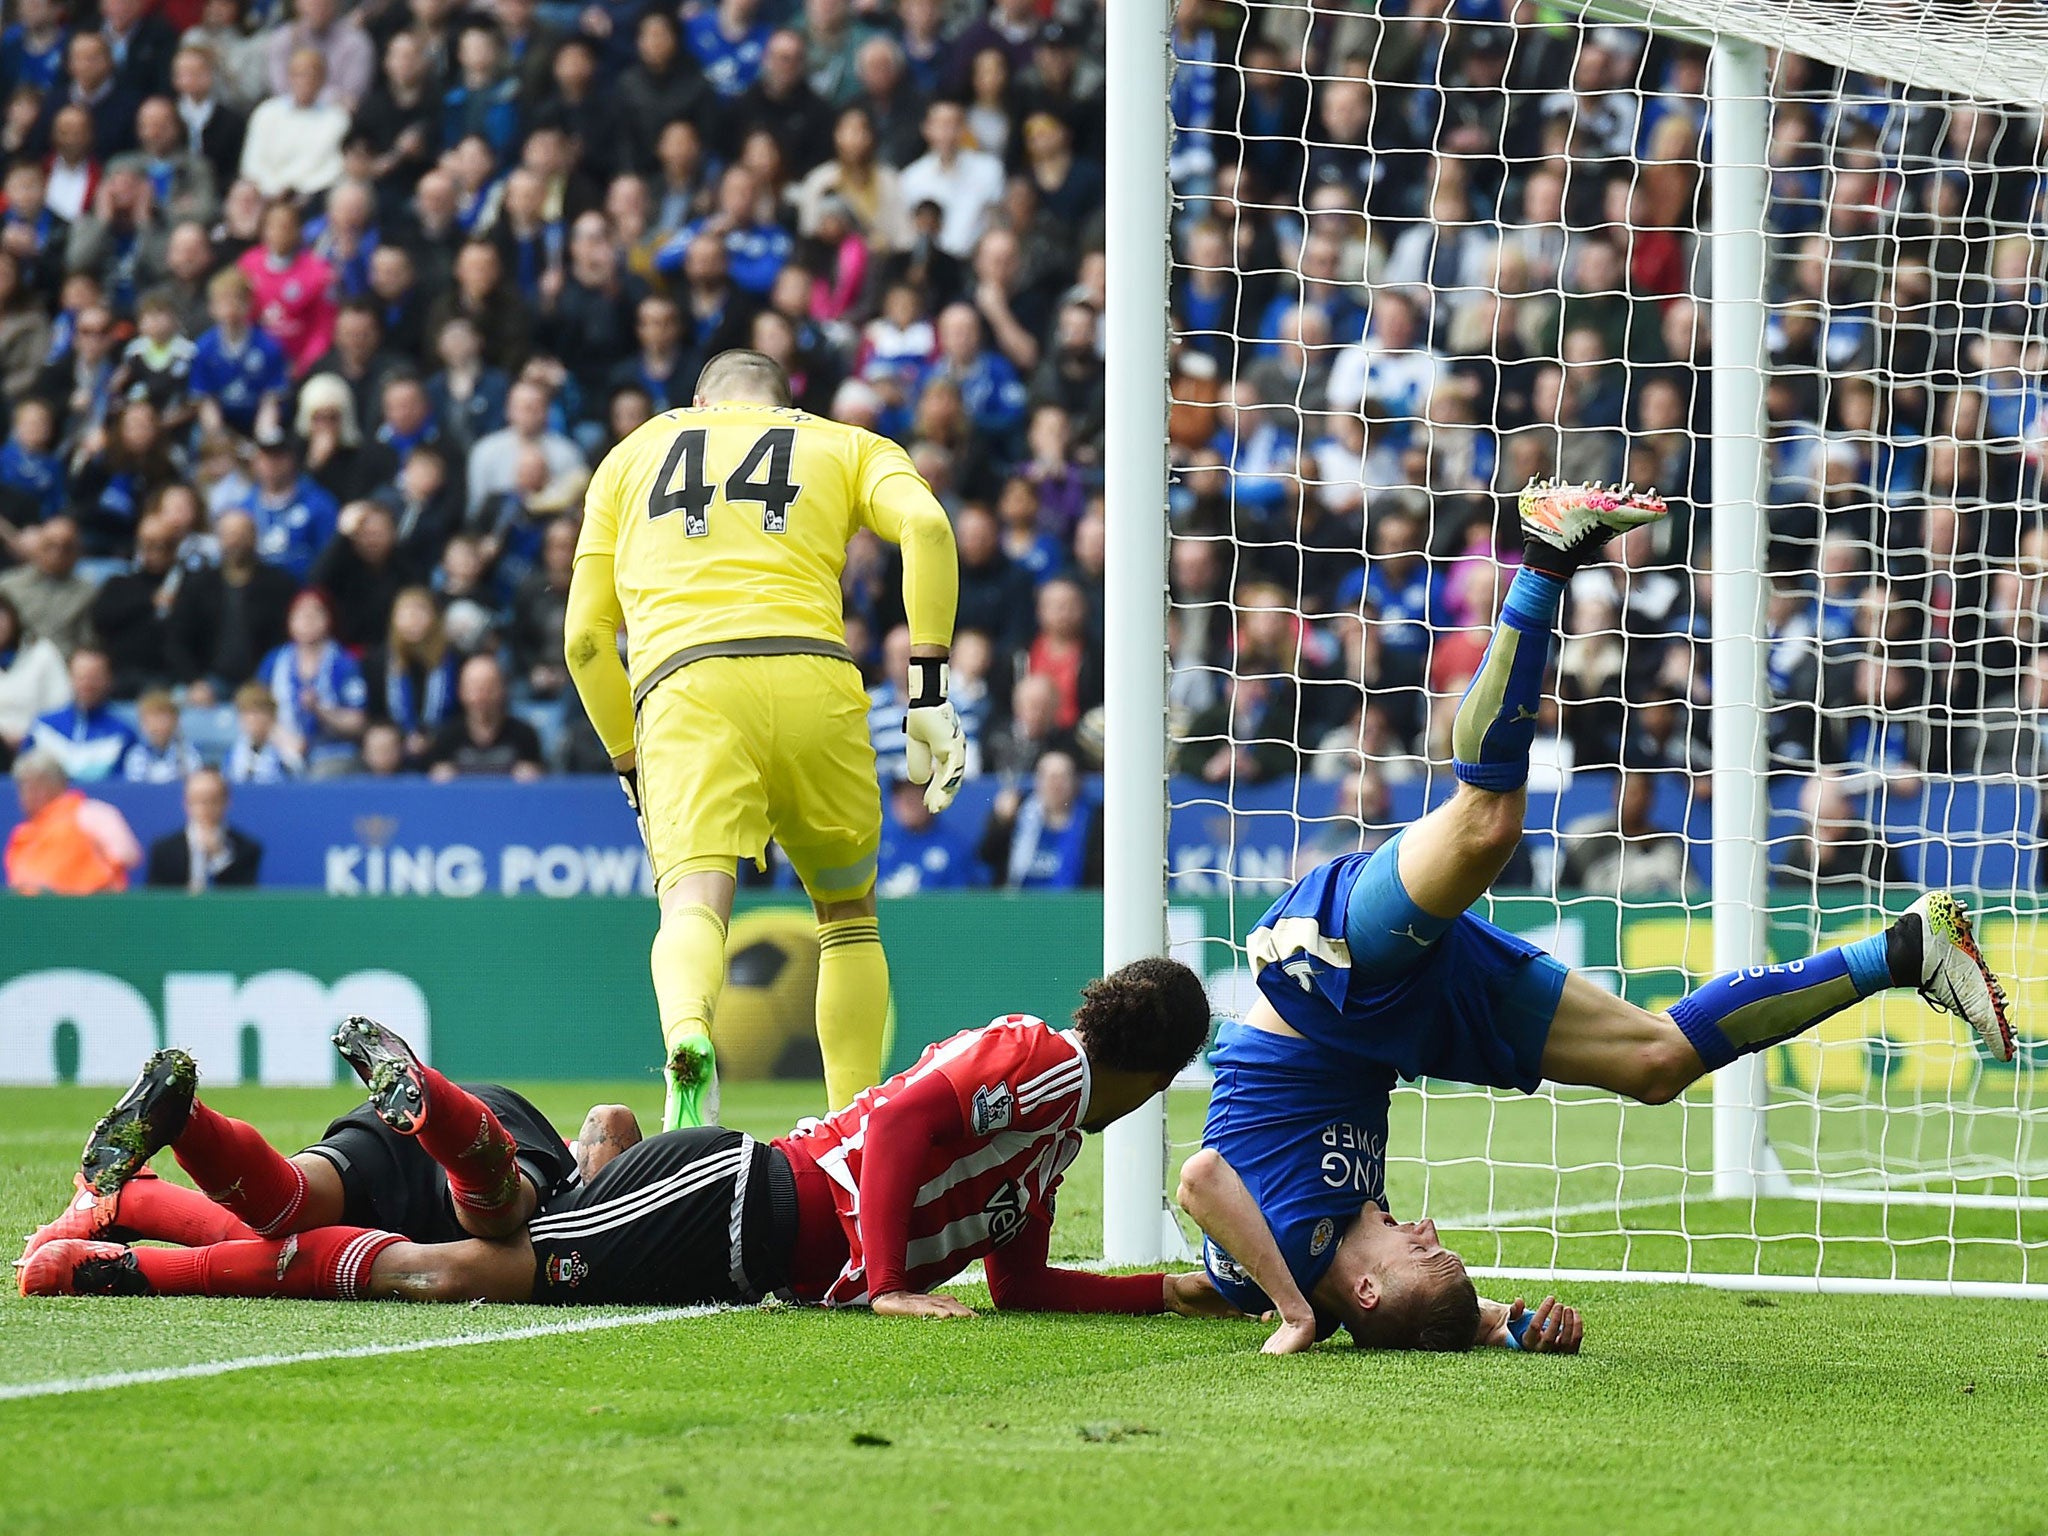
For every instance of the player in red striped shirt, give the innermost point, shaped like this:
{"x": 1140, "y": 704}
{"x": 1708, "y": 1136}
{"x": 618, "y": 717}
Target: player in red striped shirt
{"x": 957, "y": 1159}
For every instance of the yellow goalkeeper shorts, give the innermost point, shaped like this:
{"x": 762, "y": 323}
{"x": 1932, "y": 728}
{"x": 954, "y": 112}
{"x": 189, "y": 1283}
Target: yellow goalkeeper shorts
{"x": 734, "y": 750}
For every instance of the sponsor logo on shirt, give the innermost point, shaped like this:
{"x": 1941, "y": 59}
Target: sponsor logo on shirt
{"x": 992, "y": 1108}
{"x": 1354, "y": 1158}
{"x": 1005, "y": 1207}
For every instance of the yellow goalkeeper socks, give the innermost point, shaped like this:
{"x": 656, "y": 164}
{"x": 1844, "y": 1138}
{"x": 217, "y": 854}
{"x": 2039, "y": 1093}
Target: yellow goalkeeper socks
{"x": 689, "y": 971}
{"x": 853, "y": 1006}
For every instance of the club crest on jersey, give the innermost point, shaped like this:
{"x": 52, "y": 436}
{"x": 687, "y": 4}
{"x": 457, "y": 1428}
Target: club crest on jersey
{"x": 992, "y": 1108}
{"x": 1319, "y": 1239}
{"x": 569, "y": 1270}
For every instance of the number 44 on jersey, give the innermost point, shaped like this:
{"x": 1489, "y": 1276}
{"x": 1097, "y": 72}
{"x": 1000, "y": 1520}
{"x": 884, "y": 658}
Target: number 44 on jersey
{"x": 683, "y": 486}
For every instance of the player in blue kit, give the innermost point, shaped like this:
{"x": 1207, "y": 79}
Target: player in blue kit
{"x": 1371, "y": 970}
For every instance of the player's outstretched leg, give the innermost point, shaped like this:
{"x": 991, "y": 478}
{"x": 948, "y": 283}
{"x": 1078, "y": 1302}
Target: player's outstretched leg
{"x": 323, "y": 1264}
{"x": 1449, "y": 858}
{"x": 453, "y": 1126}
{"x": 144, "y": 1207}
{"x": 1931, "y": 948}
{"x": 1601, "y": 1041}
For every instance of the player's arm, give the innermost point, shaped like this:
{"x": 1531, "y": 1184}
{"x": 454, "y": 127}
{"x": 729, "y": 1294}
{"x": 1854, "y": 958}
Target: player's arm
{"x": 608, "y": 1130}
{"x": 590, "y": 646}
{"x": 590, "y": 633}
{"x": 899, "y": 1131}
{"x": 898, "y": 505}
{"x": 902, "y": 509}
{"x": 1020, "y": 1280}
{"x": 1212, "y": 1193}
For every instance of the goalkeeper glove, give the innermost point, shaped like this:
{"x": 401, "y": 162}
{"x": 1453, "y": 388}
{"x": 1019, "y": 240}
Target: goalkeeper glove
{"x": 629, "y": 786}
{"x": 934, "y": 748}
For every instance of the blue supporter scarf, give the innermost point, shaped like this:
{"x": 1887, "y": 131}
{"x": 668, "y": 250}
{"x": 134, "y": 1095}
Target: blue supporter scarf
{"x": 351, "y": 273}
{"x": 62, "y": 329}
{"x": 125, "y": 269}
{"x": 162, "y": 173}
{"x": 1044, "y": 859}
{"x": 403, "y": 443}
{"x": 469, "y": 210}
{"x": 526, "y": 266}
{"x": 419, "y": 706}
{"x": 336, "y": 683}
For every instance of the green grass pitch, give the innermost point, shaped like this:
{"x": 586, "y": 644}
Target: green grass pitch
{"x": 1691, "y": 1411}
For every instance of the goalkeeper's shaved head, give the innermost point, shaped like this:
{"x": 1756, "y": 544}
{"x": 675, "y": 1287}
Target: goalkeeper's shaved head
{"x": 743, "y": 375}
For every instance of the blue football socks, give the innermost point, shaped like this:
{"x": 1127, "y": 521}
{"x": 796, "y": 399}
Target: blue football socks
{"x": 1496, "y": 721}
{"x": 1747, "y": 1010}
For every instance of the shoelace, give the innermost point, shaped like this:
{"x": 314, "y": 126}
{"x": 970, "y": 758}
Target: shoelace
{"x": 1954, "y": 1003}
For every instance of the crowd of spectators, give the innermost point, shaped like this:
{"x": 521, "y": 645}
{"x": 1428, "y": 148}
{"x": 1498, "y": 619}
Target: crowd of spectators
{"x": 315, "y": 317}
{"x": 1426, "y": 255}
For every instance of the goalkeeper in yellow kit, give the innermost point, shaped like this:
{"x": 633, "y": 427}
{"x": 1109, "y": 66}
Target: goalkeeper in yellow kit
{"x": 716, "y": 535}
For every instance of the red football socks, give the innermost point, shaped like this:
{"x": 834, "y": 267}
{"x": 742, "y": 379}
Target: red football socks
{"x": 171, "y": 1213}
{"x": 464, "y": 1137}
{"x": 237, "y": 1168}
{"x": 324, "y": 1264}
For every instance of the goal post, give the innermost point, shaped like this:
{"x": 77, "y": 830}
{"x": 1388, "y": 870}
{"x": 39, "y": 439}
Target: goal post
{"x": 1740, "y": 108}
{"x": 1885, "y": 525}
{"x": 1136, "y": 1226}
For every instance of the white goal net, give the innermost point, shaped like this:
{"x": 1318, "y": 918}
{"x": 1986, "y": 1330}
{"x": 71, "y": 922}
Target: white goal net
{"x": 1419, "y": 258}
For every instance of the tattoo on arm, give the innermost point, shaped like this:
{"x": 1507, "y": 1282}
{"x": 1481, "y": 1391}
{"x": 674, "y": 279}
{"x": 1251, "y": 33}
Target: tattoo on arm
{"x": 607, "y": 1131}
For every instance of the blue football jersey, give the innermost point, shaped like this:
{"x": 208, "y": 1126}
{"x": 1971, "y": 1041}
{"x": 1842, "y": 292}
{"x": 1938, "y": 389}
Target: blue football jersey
{"x": 1306, "y": 1130}
{"x": 1303, "y": 1121}
{"x": 238, "y": 378}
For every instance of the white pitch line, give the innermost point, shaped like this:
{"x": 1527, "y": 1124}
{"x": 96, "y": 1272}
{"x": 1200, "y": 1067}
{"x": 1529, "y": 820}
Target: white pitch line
{"x": 1798, "y": 1194}
{"x": 66, "y": 1386}
{"x": 1478, "y": 1220}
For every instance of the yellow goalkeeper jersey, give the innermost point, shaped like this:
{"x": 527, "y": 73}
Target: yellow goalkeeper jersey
{"x": 727, "y": 525}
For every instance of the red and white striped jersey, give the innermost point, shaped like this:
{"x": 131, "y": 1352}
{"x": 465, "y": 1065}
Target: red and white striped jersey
{"x": 1023, "y": 1091}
